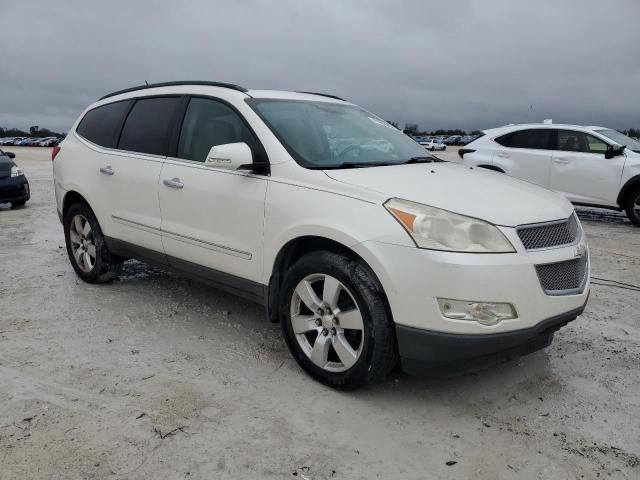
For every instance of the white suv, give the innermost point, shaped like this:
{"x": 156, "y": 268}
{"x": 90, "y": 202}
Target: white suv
{"x": 591, "y": 166}
{"x": 366, "y": 249}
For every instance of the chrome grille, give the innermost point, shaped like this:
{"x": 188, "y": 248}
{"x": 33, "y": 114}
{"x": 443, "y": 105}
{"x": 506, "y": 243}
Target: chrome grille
{"x": 550, "y": 234}
{"x": 564, "y": 278}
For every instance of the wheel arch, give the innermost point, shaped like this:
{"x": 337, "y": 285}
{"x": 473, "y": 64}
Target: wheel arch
{"x": 628, "y": 187}
{"x": 71, "y": 197}
{"x": 293, "y": 250}
{"x": 492, "y": 167}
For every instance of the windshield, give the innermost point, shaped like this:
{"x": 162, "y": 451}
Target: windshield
{"x": 329, "y": 135}
{"x": 621, "y": 139}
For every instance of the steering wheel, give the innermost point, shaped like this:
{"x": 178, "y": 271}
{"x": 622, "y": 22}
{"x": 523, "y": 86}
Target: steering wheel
{"x": 348, "y": 149}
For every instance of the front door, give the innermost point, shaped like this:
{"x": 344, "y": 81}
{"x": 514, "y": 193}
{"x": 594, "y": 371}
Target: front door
{"x": 212, "y": 218}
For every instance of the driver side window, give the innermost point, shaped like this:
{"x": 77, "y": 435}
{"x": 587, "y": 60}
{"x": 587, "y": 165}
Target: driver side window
{"x": 596, "y": 145}
{"x": 208, "y": 123}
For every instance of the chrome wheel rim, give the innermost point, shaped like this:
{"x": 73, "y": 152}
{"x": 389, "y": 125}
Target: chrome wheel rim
{"x": 327, "y": 322}
{"x": 83, "y": 245}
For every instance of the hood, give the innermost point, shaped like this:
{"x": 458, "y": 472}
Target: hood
{"x": 475, "y": 192}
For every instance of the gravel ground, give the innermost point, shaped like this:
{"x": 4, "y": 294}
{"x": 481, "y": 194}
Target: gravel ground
{"x": 156, "y": 376}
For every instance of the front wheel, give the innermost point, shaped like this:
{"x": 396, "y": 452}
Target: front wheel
{"x": 336, "y": 322}
{"x": 632, "y": 206}
{"x": 86, "y": 247}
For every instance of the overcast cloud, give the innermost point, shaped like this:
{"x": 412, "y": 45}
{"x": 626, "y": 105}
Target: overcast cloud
{"x": 469, "y": 64}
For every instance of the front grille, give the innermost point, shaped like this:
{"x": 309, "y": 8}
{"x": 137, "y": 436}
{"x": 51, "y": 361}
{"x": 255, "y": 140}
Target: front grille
{"x": 550, "y": 234}
{"x": 564, "y": 278}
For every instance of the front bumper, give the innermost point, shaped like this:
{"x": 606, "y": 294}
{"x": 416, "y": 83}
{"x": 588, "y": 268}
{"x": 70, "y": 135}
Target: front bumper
{"x": 14, "y": 189}
{"x": 423, "y": 351}
{"x": 413, "y": 279}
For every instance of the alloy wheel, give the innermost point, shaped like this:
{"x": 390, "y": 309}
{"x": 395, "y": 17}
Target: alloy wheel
{"x": 327, "y": 322}
{"x": 83, "y": 245}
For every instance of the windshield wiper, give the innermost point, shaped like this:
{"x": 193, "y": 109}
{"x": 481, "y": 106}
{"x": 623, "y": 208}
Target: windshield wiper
{"x": 421, "y": 160}
{"x": 355, "y": 165}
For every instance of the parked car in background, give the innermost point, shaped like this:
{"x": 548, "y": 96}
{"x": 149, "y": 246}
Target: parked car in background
{"x": 593, "y": 166}
{"x": 13, "y": 141}
{"x": 466, "y": 139}
{"x": 14, "y": 187}
{"x": 48, "y": 142}
{"x": 365, "y": 255}
{"x": 434, "y": 144}
{"x": 452, "y": 140}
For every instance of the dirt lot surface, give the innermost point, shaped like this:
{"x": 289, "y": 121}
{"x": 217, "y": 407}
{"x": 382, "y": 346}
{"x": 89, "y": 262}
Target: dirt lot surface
{"x": 156, "y": 376}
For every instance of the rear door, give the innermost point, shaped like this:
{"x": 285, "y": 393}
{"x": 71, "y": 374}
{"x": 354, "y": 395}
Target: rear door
{"x": 581, "y": 172}
{"x": 131, "y": 173}
{"x": 213, "y": 218}
{"x": 526, "y": 154}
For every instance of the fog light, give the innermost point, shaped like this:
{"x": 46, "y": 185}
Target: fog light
{"x": 485, "y": 313}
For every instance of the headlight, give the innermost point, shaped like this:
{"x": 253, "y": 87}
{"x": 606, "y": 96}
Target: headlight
{"x": 16, "y": 171}
{"x": 438, "y": 229}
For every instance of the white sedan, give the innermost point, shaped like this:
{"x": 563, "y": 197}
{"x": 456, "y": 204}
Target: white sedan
{"x": 434, "y": 145}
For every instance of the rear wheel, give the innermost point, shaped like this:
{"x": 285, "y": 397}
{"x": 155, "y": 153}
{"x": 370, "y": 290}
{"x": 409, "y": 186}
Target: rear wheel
{"x": 632, "y": 206}
{"x": 86, "y": 247}
{"x": 336, "y": 322}
{"x": 18, "y": 204}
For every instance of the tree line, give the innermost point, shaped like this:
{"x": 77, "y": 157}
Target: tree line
{"x": 34, "y": 131}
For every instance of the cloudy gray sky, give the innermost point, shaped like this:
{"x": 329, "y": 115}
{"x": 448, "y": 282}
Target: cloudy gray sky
{"x": 467, "y": 63}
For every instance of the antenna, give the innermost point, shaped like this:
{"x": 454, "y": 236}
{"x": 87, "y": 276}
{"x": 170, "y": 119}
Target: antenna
{"x": 146, "y": 83}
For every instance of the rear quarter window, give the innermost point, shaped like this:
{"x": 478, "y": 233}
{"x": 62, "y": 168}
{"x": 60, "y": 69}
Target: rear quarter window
{"x": 101, "y": 125}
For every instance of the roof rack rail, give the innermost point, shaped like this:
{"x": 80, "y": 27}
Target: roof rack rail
{"x": 324, "y": 95}
{"x": 173, "y": 84}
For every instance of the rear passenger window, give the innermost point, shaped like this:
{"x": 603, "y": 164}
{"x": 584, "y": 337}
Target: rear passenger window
{"x": 208, "y": 123}
{"x": 572, "y": 141}
{"x": 102, "y": 124}
{"x": 148, "y": 125}
{"x": 536, "y": 138}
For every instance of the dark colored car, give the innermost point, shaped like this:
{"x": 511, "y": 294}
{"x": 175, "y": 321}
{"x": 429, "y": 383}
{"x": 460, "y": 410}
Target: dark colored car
{"x": 14, "y": 187}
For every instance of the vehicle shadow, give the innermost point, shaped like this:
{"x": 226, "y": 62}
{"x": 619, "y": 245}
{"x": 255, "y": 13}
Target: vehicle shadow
{"x": 587, "y": 214}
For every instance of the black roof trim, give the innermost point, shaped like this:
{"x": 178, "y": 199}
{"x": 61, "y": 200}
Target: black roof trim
{"x": 174, "y": 84}
{"x": 324, "y": 95}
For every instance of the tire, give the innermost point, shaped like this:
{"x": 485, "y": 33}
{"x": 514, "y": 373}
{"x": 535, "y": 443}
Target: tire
{"x": 372, "y": 351}
{"x": 18, "y": 204}
{"x": 102, "y": 266}
{"x": 632, "y": 206}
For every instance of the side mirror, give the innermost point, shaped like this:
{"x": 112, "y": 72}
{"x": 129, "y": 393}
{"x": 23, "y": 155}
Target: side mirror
{"x": 10, "y": 154}
{"x": 230, "y": 156}
{"x": 614, "y": 151}
{"x": 234, "y": 156}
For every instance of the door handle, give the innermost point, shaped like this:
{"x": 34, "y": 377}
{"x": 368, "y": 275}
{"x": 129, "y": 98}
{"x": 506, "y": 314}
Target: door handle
{"x": 503, "y": 154}
{"x": 562, "y": 161}
{"x": 107, "y": 170}
{"x": 174, "y": 183}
